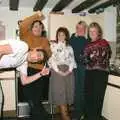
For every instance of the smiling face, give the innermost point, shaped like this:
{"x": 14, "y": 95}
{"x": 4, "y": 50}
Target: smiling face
{"x": 37, "y": 28}
{"x": 80, "y": 30}
{"x": 93, "y": 33}
{"x": 61, "y": 37}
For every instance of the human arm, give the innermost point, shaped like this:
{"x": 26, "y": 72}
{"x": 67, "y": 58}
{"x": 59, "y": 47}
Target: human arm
{"x": 13, "y": 47}
{"x": 53, "y": 65}
{"x": 29, "y": 79}
{"x": 71, "y": 61}
{"x": 5, "y": 49}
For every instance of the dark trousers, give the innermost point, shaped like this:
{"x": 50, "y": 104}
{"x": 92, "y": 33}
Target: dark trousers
{"x": 79, "y": 91}
{"x": 34, "y": 95}
{"x": 95, "y": 86}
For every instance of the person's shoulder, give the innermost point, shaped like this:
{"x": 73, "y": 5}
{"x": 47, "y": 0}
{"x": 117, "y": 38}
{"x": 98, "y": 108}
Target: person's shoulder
{"x": 73, "y": 35}
{"x": 44, "y": 40}
{"x": 23, "y": 68}
{"x": 53, "y": 42}
{"x": 104, "y": 42}
{"x": 19, "y": 44}
{"x": 24, "y": 43}
{"x": 69, "y": 47}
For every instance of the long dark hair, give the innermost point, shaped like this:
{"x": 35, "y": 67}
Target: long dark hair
{"x": 43, "y": 34}
{"x": 65, "y": 31}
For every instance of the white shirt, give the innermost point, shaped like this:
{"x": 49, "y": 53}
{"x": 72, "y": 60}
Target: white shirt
{"x": 18, "y": 59}
{"x": 61, "y": 54}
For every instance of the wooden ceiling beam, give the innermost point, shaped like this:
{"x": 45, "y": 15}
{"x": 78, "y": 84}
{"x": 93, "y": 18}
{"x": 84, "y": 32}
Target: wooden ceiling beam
{"x": 13, "y": 4}
{"x": 40, "y": 5}
{"x": 61, "y": 5}
{"x": 103, "y": 5}
{"x": 84, "y": 5}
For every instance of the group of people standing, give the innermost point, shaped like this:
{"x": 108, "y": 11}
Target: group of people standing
{"x": 78, "y": 69}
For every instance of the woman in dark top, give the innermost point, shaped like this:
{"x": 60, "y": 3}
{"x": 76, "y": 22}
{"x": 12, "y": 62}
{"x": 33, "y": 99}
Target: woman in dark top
{"x": 97, "y": 54}
{"x": 31, "y": 31}
{"x": 78, "y": 42}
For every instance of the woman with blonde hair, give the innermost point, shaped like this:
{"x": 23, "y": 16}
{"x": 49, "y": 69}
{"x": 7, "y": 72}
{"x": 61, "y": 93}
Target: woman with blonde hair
{"x": 97, "y": 55}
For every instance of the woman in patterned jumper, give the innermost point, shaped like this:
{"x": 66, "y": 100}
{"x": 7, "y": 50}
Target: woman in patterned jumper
{"x": 97, "y": 54}
{"x": 62, "y": 63}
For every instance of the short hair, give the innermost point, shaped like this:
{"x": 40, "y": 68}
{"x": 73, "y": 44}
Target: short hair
{"x": 82, "y": 23}
{"x": 65, "y": 31}
{"x": 98, "y": 27}
{"x": 41, "y": 24}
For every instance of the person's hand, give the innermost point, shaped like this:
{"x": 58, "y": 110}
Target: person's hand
{"x": 61, "y": 73}
{"x": 45, "y": 71}
{"x": 67, "y": 73}
{"x": 64, "y": 73}
{"x": 40, "y": 14}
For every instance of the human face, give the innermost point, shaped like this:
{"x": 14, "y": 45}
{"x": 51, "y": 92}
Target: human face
{"x": 80, "y": 30}
{"x": 93, "y": 33}
{"x": 61, "y": 37}
{"x": 35, "y": 56}
{"x": 37, "y": 29}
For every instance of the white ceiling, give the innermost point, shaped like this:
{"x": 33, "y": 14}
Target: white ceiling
{"x": 50, "y": 4}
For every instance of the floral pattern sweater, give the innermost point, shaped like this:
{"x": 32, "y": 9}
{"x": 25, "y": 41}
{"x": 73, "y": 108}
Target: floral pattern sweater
{"x": 61, "y": 55}
{"x": 98, "y": 54}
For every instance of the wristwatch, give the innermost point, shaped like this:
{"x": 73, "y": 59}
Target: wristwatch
{"x": 40, "y": 74}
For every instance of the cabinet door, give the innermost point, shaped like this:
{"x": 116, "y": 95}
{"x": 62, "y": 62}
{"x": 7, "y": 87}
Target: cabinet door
{"x": 7, "y": 80}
